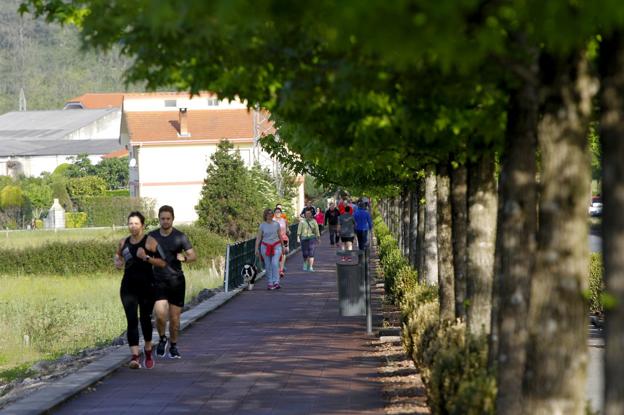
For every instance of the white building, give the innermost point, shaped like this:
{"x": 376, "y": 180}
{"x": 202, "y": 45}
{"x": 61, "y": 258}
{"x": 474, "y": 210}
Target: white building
{"x": 170, "y": 138}
{"x": 33, "y": 142}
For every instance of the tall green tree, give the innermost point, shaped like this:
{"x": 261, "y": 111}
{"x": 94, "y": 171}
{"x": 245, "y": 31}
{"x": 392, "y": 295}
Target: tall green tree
{"x": 230, "y": 202}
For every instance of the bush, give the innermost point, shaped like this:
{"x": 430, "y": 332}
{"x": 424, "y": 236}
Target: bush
{"x": 75, "y": 219}
{"x": 110, "y": 211}
{"x": 596, "y": 284}
{"x": 87, "y": 257}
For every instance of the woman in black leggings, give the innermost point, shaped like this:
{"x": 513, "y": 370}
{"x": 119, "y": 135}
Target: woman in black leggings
{"x": 135, "y": 255}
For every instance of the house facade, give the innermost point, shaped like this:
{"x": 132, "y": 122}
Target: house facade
{"x": 170, "y": 138}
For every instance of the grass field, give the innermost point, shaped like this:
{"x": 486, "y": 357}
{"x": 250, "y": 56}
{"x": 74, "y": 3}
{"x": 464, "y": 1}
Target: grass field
{"x": 44, "y": 317}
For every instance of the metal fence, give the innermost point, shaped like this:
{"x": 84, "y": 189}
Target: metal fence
{"x": 240, "y": 253}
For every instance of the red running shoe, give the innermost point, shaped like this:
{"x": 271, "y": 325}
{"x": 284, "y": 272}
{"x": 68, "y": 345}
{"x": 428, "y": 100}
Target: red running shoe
{"x": 148, "y": 360}
{"x": 134, "y": 362}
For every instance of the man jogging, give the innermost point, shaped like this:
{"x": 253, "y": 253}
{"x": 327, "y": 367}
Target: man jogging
{"x": 169, "y": 282}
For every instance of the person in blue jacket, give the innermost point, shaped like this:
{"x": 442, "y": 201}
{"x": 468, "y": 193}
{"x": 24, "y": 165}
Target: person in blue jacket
{"x": 363, "y": 224}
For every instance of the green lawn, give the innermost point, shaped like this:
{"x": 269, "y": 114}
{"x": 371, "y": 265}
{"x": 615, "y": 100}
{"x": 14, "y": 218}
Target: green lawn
{"x": 44, "y": 317}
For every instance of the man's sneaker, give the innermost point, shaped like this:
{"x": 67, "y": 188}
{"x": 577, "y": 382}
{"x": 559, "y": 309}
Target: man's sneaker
{"x": 276, "y": 287}
{"x": 148, "y": 360}
{"x": 311, "y": 269}
{"x": 305, "y": 266}
{"x": 270, "y": 287}
{"x": 162, "y": 346}
{"x": 173, "y": 352}
{"x": 134, "y": 362}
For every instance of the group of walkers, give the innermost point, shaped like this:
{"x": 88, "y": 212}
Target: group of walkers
{"x": 153, "y": 281}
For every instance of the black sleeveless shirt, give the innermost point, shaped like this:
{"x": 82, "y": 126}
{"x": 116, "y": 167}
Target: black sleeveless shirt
{"x": 136, "y": 269}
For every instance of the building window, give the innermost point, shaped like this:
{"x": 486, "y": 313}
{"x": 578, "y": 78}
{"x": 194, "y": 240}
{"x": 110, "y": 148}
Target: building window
{"x": 213, "y": 102}
{"x": 171, "y": 103}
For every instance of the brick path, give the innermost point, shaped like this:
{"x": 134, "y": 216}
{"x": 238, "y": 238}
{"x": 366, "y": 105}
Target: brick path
{"x": 263, "y": 352}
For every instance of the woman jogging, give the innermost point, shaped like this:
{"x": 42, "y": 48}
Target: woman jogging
{"x": 269, "y": 246}
{"x": 309, "y": 235}
{"x": 280, "y": 218}
{"x": 136, "y": 286}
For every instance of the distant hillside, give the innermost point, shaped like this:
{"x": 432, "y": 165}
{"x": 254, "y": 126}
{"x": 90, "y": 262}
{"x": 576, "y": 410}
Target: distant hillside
{"x": 46, "y": 61}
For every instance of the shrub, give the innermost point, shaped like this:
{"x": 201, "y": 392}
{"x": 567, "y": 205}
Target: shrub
{"x": 89, "y": 256}
{"x": 109, "y": 211}
{"x": 75, "y": 219}
{"x": 596, "y": 284}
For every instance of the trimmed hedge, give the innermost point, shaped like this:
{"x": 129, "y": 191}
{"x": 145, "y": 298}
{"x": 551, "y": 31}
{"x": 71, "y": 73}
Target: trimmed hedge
{"x": 75, "y": 219}
{"x": 112, "y": 211}
{"x": 453, "y": 365}
{"x": 596, "y": 295}
{"x": 86, "y": 257}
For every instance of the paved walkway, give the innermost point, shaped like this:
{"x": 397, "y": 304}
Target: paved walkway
{"x": 263, "y": 352}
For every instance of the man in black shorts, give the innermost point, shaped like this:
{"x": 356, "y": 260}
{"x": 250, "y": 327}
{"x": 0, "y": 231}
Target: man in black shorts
{"x": 169, "y": 282}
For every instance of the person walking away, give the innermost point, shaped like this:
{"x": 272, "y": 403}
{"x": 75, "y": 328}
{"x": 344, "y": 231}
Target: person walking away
{"x": 309, "y": 236}
{"x": 280, "y": 218}
{"x": 136, "y": 254}
{"x": 341, "y": 206}
{"x": 269, "y": 246}
{"x": 363, "y": 225}
{"x": 308, "y": 206}
{"x": 169, "y": 282}
{"x": 331, "y": 220}
{"x": 320, "y": 219}
{"x": 346, "y": 228}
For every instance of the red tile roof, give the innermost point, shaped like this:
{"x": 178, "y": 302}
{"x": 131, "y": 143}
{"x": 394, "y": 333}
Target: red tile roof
{"x": 158, "y": 126}
{"x": 97, "y": 101}
{"x": 116, "y": 154}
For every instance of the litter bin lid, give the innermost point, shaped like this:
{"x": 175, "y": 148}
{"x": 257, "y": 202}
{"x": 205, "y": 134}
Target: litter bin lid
{"x": 347, "y": 257}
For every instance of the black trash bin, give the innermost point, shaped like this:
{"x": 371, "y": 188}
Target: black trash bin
{"x": 351, "y": 283}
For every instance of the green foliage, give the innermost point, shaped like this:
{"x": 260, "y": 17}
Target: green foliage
{"x": 596, "y": 284}
{"x": 230, "y": 204}
{"x": 113, "y": 171}
{"x": 75, "y": 219}
{"x": 38, "y": 192}
{"x": 207, "y": 245}
{"x": 85, "y": 186}
{"x": 93, "y": 255}
{"x": 59, "y": 191}
{"x": 118, "y": 192}
{"x": 109, "y": 211}
{"x": 11, "y": 197}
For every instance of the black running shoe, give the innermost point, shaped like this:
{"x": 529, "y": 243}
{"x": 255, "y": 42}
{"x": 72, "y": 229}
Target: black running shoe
{"x": 173, "y": 352}
{"x": 162, "y": 346}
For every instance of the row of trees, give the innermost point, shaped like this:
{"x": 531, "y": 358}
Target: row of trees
{"x": 493, "y": 100}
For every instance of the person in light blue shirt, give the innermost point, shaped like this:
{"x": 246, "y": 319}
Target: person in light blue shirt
{"x": 363, "y": 224}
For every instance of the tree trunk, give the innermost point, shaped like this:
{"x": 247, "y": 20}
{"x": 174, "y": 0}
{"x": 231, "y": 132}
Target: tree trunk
{"x": 420, "y": 248}
{"x": 459, "y": 203}
{"x": 413, "y": 228}
{"x": 405, "y": 221}
{"x": 517, "y": 226}
{"x": 445, "y": 245}
{"x": 611, "y": 134}
{"x": 557, "y": 351}
{"x": 431, "y": 239}
{"x": 481, "y": 234}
